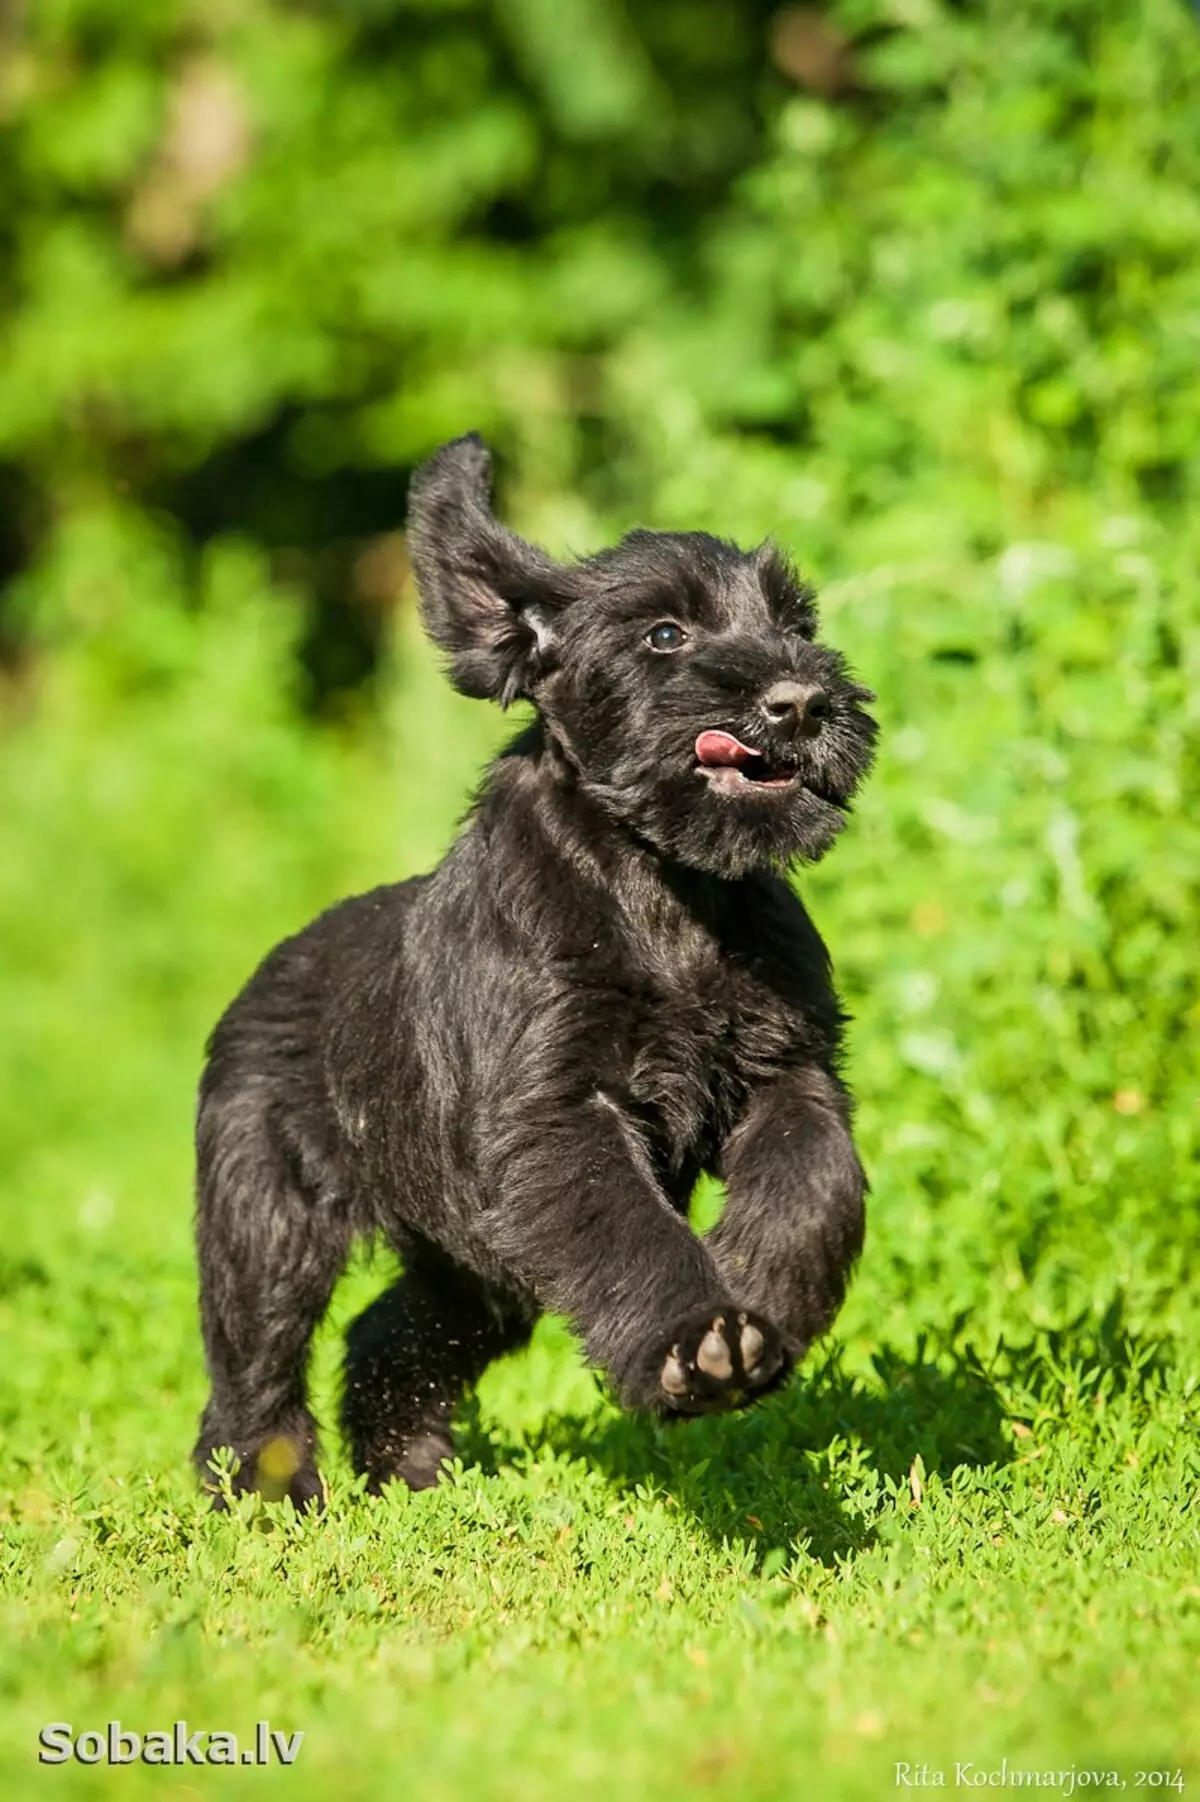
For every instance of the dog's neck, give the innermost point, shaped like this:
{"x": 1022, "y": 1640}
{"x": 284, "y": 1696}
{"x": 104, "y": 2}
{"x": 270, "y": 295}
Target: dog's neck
{"x": 654, "y": 891}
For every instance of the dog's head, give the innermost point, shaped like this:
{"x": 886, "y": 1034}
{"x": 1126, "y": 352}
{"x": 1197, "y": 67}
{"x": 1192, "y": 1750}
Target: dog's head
{"x": 680, "y": 677}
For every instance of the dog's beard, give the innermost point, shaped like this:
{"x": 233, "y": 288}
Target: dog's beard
{"x": 730, "y": 832}
{"x": 726, "y": 823}
{"x": 715, "y": 787}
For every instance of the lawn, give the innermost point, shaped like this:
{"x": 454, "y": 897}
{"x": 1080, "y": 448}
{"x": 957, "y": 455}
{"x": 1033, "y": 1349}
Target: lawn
{"x": 969, "y": 1529}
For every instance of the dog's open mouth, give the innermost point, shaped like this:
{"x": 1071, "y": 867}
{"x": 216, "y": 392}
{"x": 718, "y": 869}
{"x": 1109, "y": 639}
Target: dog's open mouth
{"x": 731, "y": 763}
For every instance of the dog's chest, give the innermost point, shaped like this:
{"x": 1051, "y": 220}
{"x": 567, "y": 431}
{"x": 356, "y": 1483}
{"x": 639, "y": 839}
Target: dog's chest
{"x": 697, "y": 1047}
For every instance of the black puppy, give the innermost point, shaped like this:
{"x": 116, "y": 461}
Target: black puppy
{"x": 516, "y": 1067}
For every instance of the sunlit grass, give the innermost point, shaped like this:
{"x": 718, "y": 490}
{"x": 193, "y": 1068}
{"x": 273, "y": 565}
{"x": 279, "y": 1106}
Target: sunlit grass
{"x": 968, "y": 1530}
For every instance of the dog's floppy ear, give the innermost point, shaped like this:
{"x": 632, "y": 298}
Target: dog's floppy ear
{"x": 488, "y": 599}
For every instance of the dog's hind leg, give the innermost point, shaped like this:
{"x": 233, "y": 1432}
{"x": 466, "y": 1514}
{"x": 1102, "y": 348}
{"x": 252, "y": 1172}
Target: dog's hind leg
{"x": 409, "y": 1357}
{"x": 272, "y": 1240}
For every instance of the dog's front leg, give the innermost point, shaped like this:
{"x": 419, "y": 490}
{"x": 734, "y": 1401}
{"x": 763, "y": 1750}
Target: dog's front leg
{"x": 581, "y": 1218}
{"x": 794, "y": 1214}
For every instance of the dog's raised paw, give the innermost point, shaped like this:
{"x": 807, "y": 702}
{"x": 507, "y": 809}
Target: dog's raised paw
{"x": 718, "y": 1361}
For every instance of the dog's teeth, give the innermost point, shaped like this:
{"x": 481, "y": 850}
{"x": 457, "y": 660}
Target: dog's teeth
{"x": 674, "y": 1376}
{"x": 752, "y": 1348}
{"x": 713, "y": 1356}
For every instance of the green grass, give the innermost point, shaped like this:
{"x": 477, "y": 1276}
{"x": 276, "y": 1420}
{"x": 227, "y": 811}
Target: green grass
{"x": 968, "y": 1531}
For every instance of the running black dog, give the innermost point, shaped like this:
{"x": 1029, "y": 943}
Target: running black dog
{"x": 515, "y": 1068}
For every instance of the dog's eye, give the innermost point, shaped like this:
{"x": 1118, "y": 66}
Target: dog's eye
{"x": 666, "y": 636}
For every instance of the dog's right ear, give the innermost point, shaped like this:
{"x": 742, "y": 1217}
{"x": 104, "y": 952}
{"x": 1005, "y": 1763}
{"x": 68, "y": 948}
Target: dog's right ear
{"x": 488, "y": 599}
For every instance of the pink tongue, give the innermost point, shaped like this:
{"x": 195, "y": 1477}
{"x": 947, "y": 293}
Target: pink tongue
{"x": 714, "y": 748}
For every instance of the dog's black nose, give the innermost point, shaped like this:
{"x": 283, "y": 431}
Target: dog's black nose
{"x": 797, "y": 709}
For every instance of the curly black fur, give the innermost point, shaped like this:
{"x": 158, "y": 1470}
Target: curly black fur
{"x": 515, "y": 1068}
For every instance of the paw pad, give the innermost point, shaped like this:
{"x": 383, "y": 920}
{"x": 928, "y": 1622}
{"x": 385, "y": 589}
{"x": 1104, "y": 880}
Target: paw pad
{"x": 716, "y": 1363}
{"x": 751, "y": 1344}
{"x": 714, "y": 1357}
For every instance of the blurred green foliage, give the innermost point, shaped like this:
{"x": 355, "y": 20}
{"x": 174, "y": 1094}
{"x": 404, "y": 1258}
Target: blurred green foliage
{"x": 914, "y": 286}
